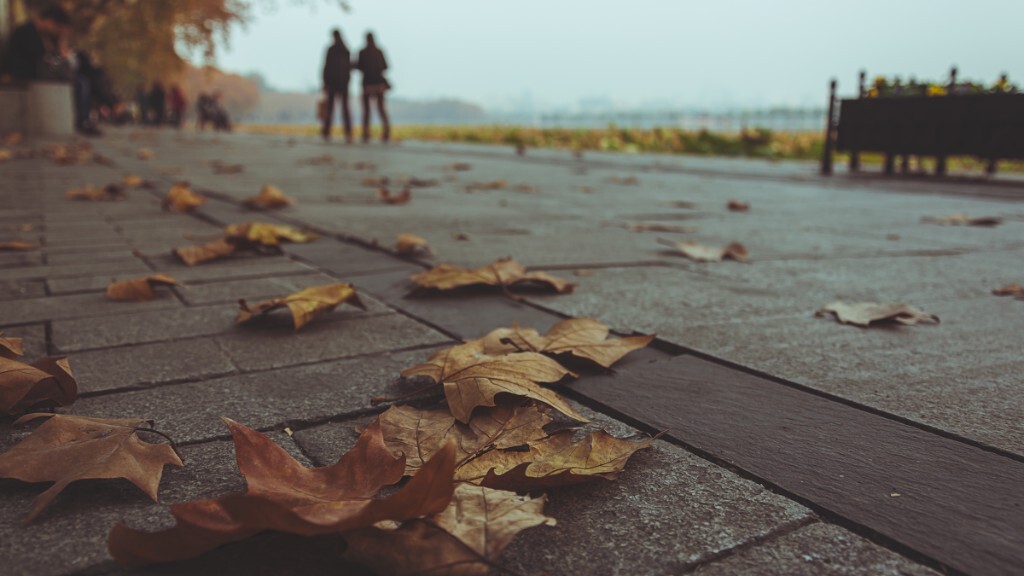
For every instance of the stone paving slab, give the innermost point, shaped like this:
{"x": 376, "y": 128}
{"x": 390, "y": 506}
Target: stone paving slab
{"x": 147, "y": 364}
{"x": 17, "y": 289}
{"x": 139, "y": 326}
{"x": 75, "y": 306}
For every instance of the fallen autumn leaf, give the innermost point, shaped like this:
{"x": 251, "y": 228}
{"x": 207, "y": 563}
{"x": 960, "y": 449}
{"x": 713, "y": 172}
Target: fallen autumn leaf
{"x": 270, "y": 198}
{"x": 505, "y": 273}
{"x": 181, "y": 198}
{"x": 867, "y": 313}
{"x": 403, "y": 197}
{"x": 139, "y": 289}
{"x": 46, "y": 383}
{"x": 305, "y": 304}
{"x": 411, "y": 244}
{"x": 961, "y": 219}
{"x": 701, "y": 253}
{"x": 737, "y": 206}
{"x": 582, "y": 337}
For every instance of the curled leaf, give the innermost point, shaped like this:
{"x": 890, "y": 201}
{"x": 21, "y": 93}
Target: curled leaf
{"x": 737, "y": 206}
{"x": 961, "y": 219}
{"x": 46, "y": 383}
{"x": 305, "y": 304}
{"x": 409, "y": 244}
{"x": 419, "y": 182}
{"x": 11, "y": 347}
{"x": 504, "y": 273}
{"x": 19, "y": 245}
{"x": 701, "y": 253}
{"x": 145, "y": 154}
{"x": 132, "y": 181}
{"x": 582, "y": 337}
{"x": 110, "y": 192}
{"x": 263, "y": 234}
{"x": 867, "y": 313}
{"x": 65, "y": 449}
{"x": 181, "y": 198}
{"x": 659, "y": 227}
{"x": 192, "y": 255}
{"x": 139, "y": 289}
{"x": 270, "y": 197}
{"x": 1015, "y": 290}
{"x": 402, "y": 198}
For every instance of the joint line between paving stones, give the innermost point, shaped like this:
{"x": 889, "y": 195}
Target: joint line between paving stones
{"x": 825, "y": 513}
{"x": 772, "y": 535}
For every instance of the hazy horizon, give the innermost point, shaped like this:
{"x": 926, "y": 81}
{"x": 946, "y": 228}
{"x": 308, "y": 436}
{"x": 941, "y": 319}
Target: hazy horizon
{"x": 649, "y": 53}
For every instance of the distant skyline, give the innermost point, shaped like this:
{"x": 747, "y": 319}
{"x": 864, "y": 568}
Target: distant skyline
{"x": 572, "y": 54}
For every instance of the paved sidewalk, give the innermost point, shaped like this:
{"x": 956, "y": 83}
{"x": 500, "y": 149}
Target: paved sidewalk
{"x": 706, "y": 499}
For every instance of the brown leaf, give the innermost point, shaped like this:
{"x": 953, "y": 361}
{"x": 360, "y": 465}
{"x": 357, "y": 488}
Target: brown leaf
{"x": 659, "y": 227}
{"x": 737, "y": 206}
{"x": 19, "y": 245}
{"x": 6, "y": 155}
{"x": 961, "y": 219}
{"x": 46, "y": 383}
{"x": 464, "y": 539}
{"x": 460, "y": 236}
{"x": 494, "y": 185}
{"x": 192, "y": 255}
{"x": 10, "y": 347}
{"x": 408, "y": 244}
{"x": 582, "y": 337}
{"x": 305, "y": 304}
{"x": 263, "y": 234}
{"x": 270, "y": 197}
{"x": 286, "y": 496}
{"x": 67, "y": 448}
{"x": 471, "y": 378}
{"x": 1015, "y": 290}
{"x": 419, "y": 182}
{"x": 505, "y": 273}
{"x": 459, "y": 167}
{"x": 375, "y": 182}
{"x": 139, "y": 289}
{"x": 402, "y": 198}
{"x": 181, "y": 198}
{"x": 419, "y": 434}
{"x": 554, "y": 461}
{"x": 132, "y": 181}
{"x": 13, "y": 138}
{"x": 145, "y": 154}
{"x": 110, "y": 192}
{"x": 866, "y": 313}
{"x": 701, "y": 253}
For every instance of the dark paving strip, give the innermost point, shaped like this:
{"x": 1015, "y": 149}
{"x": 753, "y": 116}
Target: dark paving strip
{"x": 951, "y": 502}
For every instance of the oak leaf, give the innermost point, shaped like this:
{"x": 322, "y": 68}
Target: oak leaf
{"x": 465, "y": 539}
{"x": 410, "y": 244}
{"x": 192, "y": 255}
{"x": 554, "y": 461}
{"x": 46, "y": 383}
{"x": 263, "y": 234}
{"x": 421, "y": 433}
{"x": 505, "y": 273}
{"x": 270, "y": 197}
{"x": 737, "y": 206}
{"x": 961, "y": 219}
{"x": 139, "y": 289}
{"x": 11, "y": 347}
{"x": 1015, "y": 290}
{"x": 110, "y": 192}
{"x": 471, "y": 378}
{"x": 68, "y": 448}
{"x": 19, "y": 245}
{"x": 402, "y": 197}
{"x": 284, "y": 495}
{"x": 181, "y": 198}
{"x": 867, "y": 313}
{"x": 701, "y": 253}
{"x": 582, "y": 337}
{"x": 305, "y": 304}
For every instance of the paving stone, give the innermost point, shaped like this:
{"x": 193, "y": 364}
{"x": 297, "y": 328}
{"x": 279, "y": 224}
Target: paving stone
{"x": 141, "y": 326}
{"x": 240, "y": 267}
{"x": 33, "y": 338}
{"x": 191, "y": 412}
{"x": 69, "y": 270}
{"x": 76, "y": 306}
{"x": 17, "y": 289}
{"x": 274, "y": 343}
{"x": 816, "y": 549}
{"x": 19, "y": 259}
{"x": 253, "y": 289}
{"x": 121, "y": 256}
{"x": 346, "y": 260}
{"x": 129, "y": 366}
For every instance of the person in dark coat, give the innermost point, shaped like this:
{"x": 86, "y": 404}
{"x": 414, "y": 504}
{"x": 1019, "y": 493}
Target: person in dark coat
{"x": 33, "y": 41}
{"x": 158, "y": 103}
{"x": 337, "y": 71}
{"x": 372, "y": 64}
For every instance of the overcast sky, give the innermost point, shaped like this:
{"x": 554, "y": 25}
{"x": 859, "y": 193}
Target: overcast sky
{"x": 668, "y": 53}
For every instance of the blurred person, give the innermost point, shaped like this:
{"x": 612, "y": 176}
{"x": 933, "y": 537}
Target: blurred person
{"x": 178, "y": 105}
{"x": 86, "y": 91}
{"x": 337, "y": 72}
{"x": 37, "y": 43}
{"x": 372, "y": 64}
{"x": 157, "y": 103}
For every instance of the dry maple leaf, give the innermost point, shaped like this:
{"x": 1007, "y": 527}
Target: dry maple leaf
{"x": 505, "y": 273}
{"x": 305, "y": 304}
{"x": 494, "y": 185}
{"x": 110, "y": 192}
{"x": 19, "y": 245}
{"x": 701, "y": 253}
{"x": 270, "y": 197}
{"x": 737, "y": 206}
{"x": 419, "y": 434}
{"x": 1015, "y": 290}
{"x": 192, "y": 255}
{"x": 402, "y": 198}
{"x": 46, "y": 383}
{"x": 866, "y": 313}
{"x": 181, "y": 198}
{"x": 961, "y": 219}
{"x": 11, "y": 347}
{"x": 582, "y": 337}
{"x": 471, "y": 378}
{"x": 139, "y": 289}
{"x": 263, "y": 234}
{"x": 659, "y": 227}
{"x": 284, "y": 495}
{"x": 410, "y": 244}
{"x": 465, "y": 539}
{"x": 554, "y": 461}
{"x": 67, "y": 448}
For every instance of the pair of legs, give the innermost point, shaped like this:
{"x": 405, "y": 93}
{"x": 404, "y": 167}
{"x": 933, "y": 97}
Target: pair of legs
{"x": 346, "y": 117}
{"x": 378, "y": 97}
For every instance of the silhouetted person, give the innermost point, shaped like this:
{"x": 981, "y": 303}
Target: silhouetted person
{"x": 158, "y": 103}
{"x": 33, "y": 42}
{"x": 373, "y": 64}
{"x": 337, "y": 71}
{"x": 86, "y": 92}
{"x": 178, "y": 105}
